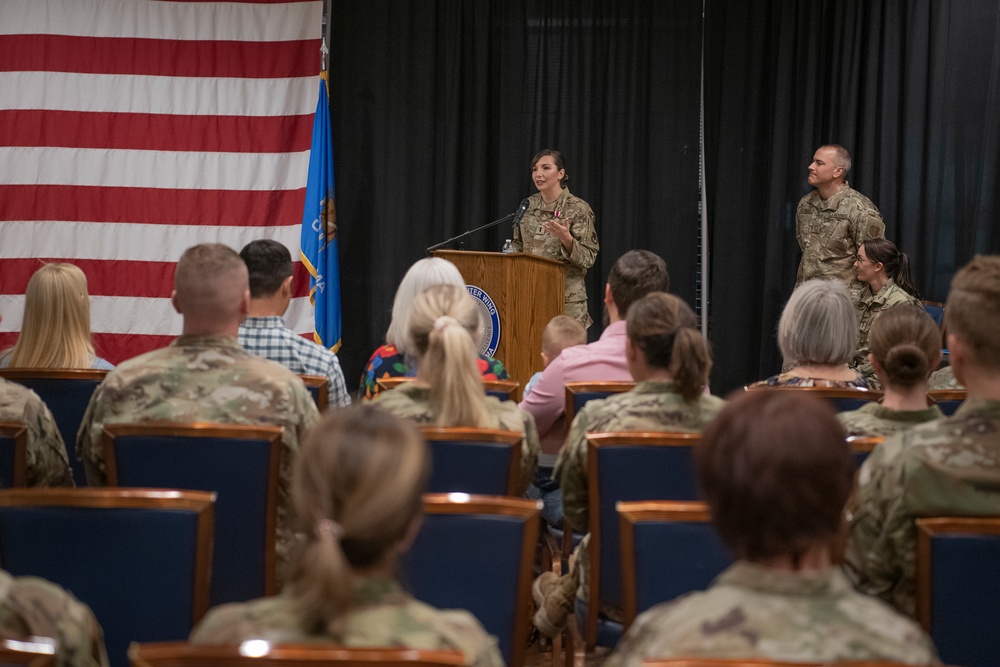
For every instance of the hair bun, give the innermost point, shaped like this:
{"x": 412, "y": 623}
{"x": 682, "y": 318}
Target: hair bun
{"x": 906, "y": 364}
{"x": 443, "y": 321}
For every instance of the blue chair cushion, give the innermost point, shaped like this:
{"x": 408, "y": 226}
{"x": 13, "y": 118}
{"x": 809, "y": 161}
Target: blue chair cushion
{"x": 210, "y": 464}
{"x": 133, "y": 567}
{"x": 469, "y": 467}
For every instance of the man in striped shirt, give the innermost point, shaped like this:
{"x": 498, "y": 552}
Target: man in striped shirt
{"x": 264, "y": 332}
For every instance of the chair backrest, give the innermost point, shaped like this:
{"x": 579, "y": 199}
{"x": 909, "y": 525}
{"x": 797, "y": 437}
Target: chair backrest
{"x": 478, "y": 553}
{"x": 958, "y": 587}
{"x": 258, "y": 653}
{"x": 319, "y": 389}
{"x": 385, "y": 384}
{"x": 578, "y": 394}
{"x": 842, "y": 398}
{"x": 668, "y": 549}
{"x": 762, "y": 662}
{"x": 34, "y": 652}
{"x": 240, "y": 463}
{"x": 67, "y": 393}
{"x": 13, "y": 454}
{"x": 628, "y": 466}
{"x": 948, "y": 399}
{"x": 861, "y": 447}
{"x": 936, "y": 310}
{"x": 139, "y": 558}
{"x": 473, "y": 460}
{"x": 501, "y": 389}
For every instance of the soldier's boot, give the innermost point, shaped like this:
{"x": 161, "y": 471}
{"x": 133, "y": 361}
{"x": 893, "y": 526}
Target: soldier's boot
{"x": 554, "y": 596}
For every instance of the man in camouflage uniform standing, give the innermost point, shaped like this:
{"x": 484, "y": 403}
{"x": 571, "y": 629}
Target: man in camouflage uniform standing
{"x": 204, "y": 375}
{"x": 832, "y": 221}
{"x": 33, "y": 607}
{"x": 949, "y": 467}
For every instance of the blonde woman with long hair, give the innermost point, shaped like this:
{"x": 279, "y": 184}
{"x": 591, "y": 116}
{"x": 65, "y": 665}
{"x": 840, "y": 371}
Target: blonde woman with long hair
{"x": 357, "y": 492}
{"x": 448, "y": 389}
{"x": 55, "y": 332}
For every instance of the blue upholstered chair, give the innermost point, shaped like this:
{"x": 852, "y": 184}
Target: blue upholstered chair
{"x": 668, "y": 548}
{"x": 139, "y": 558}
{"x": 861, "y": 447}
{"x": 259, "y": 653}
{"x": 67, "y": 393}
{"x": 319, "y": 389}
{"x": 238, "y": 462}
{"x": 958, "y": 587}
{"x": 474, "y": 460}
{"x": 578, "y": 394}
{"x": 948, "y": 399}
{"x": 842, "y": 400}
{"x": 478, "y": 553}
{"x": 13, "y": 454}
{"x": 627, "y": 466}
{"x": 936, "y": 310}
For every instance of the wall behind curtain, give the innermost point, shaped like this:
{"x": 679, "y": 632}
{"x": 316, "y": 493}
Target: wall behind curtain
{"x": 912, "y": 89}
{"x": 439, "y": 106}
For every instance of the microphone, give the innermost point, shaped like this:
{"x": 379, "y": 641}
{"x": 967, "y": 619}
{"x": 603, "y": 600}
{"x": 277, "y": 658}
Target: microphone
{"x": 520, "y": 212}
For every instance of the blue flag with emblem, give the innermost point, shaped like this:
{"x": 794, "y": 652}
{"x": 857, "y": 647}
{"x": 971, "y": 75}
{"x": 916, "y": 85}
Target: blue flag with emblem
{"x": 319, "y": 230}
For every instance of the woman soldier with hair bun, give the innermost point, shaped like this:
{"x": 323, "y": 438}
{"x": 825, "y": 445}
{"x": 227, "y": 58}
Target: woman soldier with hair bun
{"x": 357, "y": 492}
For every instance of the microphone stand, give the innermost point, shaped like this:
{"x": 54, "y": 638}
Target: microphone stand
{"x": 502, "y": 220}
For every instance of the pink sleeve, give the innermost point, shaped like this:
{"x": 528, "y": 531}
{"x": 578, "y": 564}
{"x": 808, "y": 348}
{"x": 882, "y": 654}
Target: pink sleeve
{"x": 547, "y": 401}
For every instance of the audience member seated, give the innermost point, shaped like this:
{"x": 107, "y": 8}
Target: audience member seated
{"x": 357, "y": 494}
{"x": 448, "y": 388}
{"x": 204, "y": 375}
{"x": 264, "y": 333}
{"x": 55, "y": 331}
{"x": 670, "y": 360}
{"x": 561, "y": 332}
{"x": 46, "y": 463}
{"x": 635, "y": 274}
{"x": 886, "y": 274}
{"x": 817, "y": 335}
{"x": 397, "y": 358}
{"x": 948, "y": 467}
{"x": 31, "y": 607}
{"x": 905, "y": 346}
{"x": 944, "y": 378}
{"x": 775, "y": 471}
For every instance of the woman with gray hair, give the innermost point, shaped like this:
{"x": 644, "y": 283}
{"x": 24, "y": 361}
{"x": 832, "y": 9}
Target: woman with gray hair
{"x": 818, "y": 335}
{"x": 395, "y": 358}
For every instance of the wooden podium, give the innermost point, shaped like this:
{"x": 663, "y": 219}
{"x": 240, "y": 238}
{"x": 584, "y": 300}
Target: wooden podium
{"x": 527, "y": 290}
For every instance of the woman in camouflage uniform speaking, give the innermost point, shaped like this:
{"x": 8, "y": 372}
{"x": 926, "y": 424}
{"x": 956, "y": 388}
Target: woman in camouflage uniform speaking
{"x": 559, "y": 226}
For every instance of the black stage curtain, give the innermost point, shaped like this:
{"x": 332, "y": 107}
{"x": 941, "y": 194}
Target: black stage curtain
{"x": 439, "y": 106}
{"x": 911, "y": 88}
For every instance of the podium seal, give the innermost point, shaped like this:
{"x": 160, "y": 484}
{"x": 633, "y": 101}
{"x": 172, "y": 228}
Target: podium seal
{"x": 490, "y": 329}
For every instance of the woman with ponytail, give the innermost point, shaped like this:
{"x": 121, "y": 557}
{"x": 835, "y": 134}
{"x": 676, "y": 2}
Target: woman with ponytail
{"x": 905, "y": 347}
{"x": 886, "y": 274}
{"x": 670, "y": 360}
{"x": 357, "y": 487}
{"x": 448, "y": 389}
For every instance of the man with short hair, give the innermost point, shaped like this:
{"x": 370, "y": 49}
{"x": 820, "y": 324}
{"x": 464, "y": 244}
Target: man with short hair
{"x": 833, "y": 220}
{"x": 948, "y": 467}
{"x": 264, "y": 333}
{"x": 635, "y": 274}
{"x": 204, "y": 375}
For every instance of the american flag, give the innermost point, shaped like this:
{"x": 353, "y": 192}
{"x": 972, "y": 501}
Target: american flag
{"x": 133, "y": 129}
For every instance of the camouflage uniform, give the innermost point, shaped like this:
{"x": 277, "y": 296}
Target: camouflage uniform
{"x": 414, "y": 403}
{"x": 202, "y": 379}
{"x": 650, "y": 406}
{"x": 874, "y": 420}
{"x": 530, "y": 236}
{"x": 948, "y": 467}
{"x": 35, "y": 607}
{"x": 869, "y": 306}
{"x": 47, "y": 463}
{"x": 383, "y": 616}
{"x": 790, "y": 380}
{"x": 830, "y": 233}
{"x": 944, "y": 378}
{"x": 752, "y": 611}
